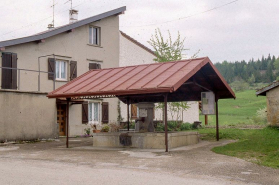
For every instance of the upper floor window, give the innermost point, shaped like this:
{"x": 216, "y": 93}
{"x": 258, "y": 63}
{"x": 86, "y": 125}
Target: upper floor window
{"x": 94, "y": 35}
{"x": 61, "y": 70}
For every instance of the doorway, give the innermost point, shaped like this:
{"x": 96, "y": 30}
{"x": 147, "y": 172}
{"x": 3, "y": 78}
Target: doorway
{"x": 61, "y": 119}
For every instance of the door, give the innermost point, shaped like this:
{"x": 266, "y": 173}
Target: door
{"x": 61, "y": 119}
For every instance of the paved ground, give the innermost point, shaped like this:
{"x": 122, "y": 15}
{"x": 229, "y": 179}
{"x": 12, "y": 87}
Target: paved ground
{"x": 52, "y": 163}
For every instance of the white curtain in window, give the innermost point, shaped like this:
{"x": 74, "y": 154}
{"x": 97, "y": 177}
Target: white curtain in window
{"x": 63, "y": 68}
{"x": 96, "y": 112}
{"x": 57, "y": 63}
{"x": 90, "y": 35}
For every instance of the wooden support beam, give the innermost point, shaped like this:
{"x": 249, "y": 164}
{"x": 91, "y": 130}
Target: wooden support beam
{"x": 217, "y": 121}
{"x": 166, "y": 121}
{"x": 67, "y": 122}
{"x": 128, "y": 115}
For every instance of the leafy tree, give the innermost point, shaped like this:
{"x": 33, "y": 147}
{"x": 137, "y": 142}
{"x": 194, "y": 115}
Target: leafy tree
{"x": 168, "y": 50}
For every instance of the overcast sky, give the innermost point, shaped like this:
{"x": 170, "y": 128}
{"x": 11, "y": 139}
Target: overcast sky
{"x": 240, "y": 30}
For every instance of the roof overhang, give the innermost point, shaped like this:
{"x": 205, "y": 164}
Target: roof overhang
{"x": 264, "y": 90}
{"x": 182, "y": 80}
{"x": 61, "y": 29}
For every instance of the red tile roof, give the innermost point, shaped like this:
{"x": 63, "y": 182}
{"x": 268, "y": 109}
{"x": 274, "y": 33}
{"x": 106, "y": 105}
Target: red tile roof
{"x": 143, "y": 79}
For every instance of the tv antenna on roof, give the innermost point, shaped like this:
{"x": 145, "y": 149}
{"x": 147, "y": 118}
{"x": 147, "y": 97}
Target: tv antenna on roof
{"x": 52, "y": 25}
{"x": 71, "y": 3}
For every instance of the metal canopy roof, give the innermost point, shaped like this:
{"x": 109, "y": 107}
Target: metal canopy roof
{"x": 184, "y": 81}
{"x": 61, "y": 29}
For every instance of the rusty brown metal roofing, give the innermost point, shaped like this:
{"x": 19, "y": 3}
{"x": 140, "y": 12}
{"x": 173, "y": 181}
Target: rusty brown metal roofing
{"x": 262, "y": 91}
{"x": 185, "y": 78}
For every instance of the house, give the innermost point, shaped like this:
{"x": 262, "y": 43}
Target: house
{"x": 35, "y": 65}
{"x": 133, "y": 52}
{"x": 272, "y": 100}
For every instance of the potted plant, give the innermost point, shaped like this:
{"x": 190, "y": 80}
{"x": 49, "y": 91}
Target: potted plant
{"x": 105, "y": 128}
{"x": 94, "y": 128}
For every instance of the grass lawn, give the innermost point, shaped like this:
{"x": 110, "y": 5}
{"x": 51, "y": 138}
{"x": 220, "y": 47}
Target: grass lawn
{"x": 239, "y": 111}
{"x": 259, "y": 146}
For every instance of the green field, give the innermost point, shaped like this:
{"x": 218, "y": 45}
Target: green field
{"x": 239, "y": 111}
{"x": 259, "y": 146}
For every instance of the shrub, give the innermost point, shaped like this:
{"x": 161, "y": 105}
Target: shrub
{"x": 185, "y": 126}
{"x": 261, "y": 116}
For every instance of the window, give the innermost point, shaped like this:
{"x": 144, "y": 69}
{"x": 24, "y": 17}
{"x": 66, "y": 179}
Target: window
{"x": 94, "y": 35}
{"x": 94, "y": 112}
{"x": 9, "y": 76}
{"x": 61, "y": 70}
{"x": 94, "y": 66}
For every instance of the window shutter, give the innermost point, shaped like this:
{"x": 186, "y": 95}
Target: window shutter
{"x": 94, "y": 66}
{"x": 84, "y": 112}
{"x": 134, "y": 111}
{"x": 105, "y": 112}
{"x": 6, "y": 73}
{"x": 14, "y": 71}
{"x": 51, "y": 68}
{"x": 73, "y": 70}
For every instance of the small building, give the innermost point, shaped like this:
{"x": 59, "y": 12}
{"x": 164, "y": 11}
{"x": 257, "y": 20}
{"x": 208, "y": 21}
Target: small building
{"x": 132, "y": 52}
{"x": 272, "y": 100}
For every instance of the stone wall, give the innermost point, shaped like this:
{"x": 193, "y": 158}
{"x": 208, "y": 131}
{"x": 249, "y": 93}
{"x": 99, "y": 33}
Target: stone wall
{"x": 272, "y": 98}
{"x": 27, "y": 116}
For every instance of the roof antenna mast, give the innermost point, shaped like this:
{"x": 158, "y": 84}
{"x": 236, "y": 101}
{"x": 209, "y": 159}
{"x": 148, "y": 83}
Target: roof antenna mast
{"x": 50, "y": 26}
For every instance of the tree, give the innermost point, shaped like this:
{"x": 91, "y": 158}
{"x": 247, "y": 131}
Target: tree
{"x": 167, "y": 50}
{"x": 276, "y": 64}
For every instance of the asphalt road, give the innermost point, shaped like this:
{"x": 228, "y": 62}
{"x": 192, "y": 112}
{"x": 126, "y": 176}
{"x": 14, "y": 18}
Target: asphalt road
{"x": 52, "y": 163}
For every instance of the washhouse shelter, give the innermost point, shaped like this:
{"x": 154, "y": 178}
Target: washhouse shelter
{"x": 176, "y": 81}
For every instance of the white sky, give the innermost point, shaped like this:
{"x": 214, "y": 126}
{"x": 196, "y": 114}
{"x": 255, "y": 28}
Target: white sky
{"x": 240, "y": 30}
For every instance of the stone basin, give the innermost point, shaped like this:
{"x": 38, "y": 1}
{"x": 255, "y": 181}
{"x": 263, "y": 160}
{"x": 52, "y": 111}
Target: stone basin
{"x": 147, "y": 140}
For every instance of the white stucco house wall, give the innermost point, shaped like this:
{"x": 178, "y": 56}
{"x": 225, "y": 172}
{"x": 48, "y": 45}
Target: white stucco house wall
{"x": 134, "y": 53}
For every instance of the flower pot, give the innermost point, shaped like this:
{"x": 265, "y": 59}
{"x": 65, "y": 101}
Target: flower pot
{"x": 96, "y": 131}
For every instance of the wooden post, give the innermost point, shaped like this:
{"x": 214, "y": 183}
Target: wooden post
{"x": 128, "y": 115}
{"x": 67, "y": 122}
{"x": 217, "y": 121}
{"x": 166, "y": 121}
{"x": 206, "y": 119}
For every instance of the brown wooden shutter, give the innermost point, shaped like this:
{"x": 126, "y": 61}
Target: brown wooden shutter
{"x": 94, "y": 66}
{"x": 14, "y": 71}
{"x": 84, "y": 112}
{"x": 134, "y": 111}
{"x": 105, "y": 112}
{"x": 6, "y": 73}
{"x": 73, "y": 70}
{"x": 9, "y": 76}
{"x": 51, "y": 68}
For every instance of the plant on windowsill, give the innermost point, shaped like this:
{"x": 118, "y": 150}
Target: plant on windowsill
{"x": 94, "y": 128}
{"x": 105, "y": 128}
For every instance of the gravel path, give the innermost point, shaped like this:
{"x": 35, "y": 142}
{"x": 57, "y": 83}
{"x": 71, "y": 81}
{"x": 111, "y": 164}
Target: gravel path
{"x": 52, "y": 163}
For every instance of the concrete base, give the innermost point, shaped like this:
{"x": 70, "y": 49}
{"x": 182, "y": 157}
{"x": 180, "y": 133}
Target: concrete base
{"x": 146, "y": 140}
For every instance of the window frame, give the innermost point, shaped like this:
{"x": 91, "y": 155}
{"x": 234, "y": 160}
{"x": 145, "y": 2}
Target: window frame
{"x": 58, "y": 78}
{"x": 91, "y": 107}
{"x": 91, "y": 36}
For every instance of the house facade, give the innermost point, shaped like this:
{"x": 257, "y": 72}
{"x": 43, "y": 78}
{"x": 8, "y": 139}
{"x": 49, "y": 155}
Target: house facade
{"x": 133, "y": 52}
{"x": 272, "y": 101}
{"x": 35, "y": 65}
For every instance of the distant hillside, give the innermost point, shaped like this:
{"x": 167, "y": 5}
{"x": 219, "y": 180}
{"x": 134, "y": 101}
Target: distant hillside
{"x": 259, "y": 71}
